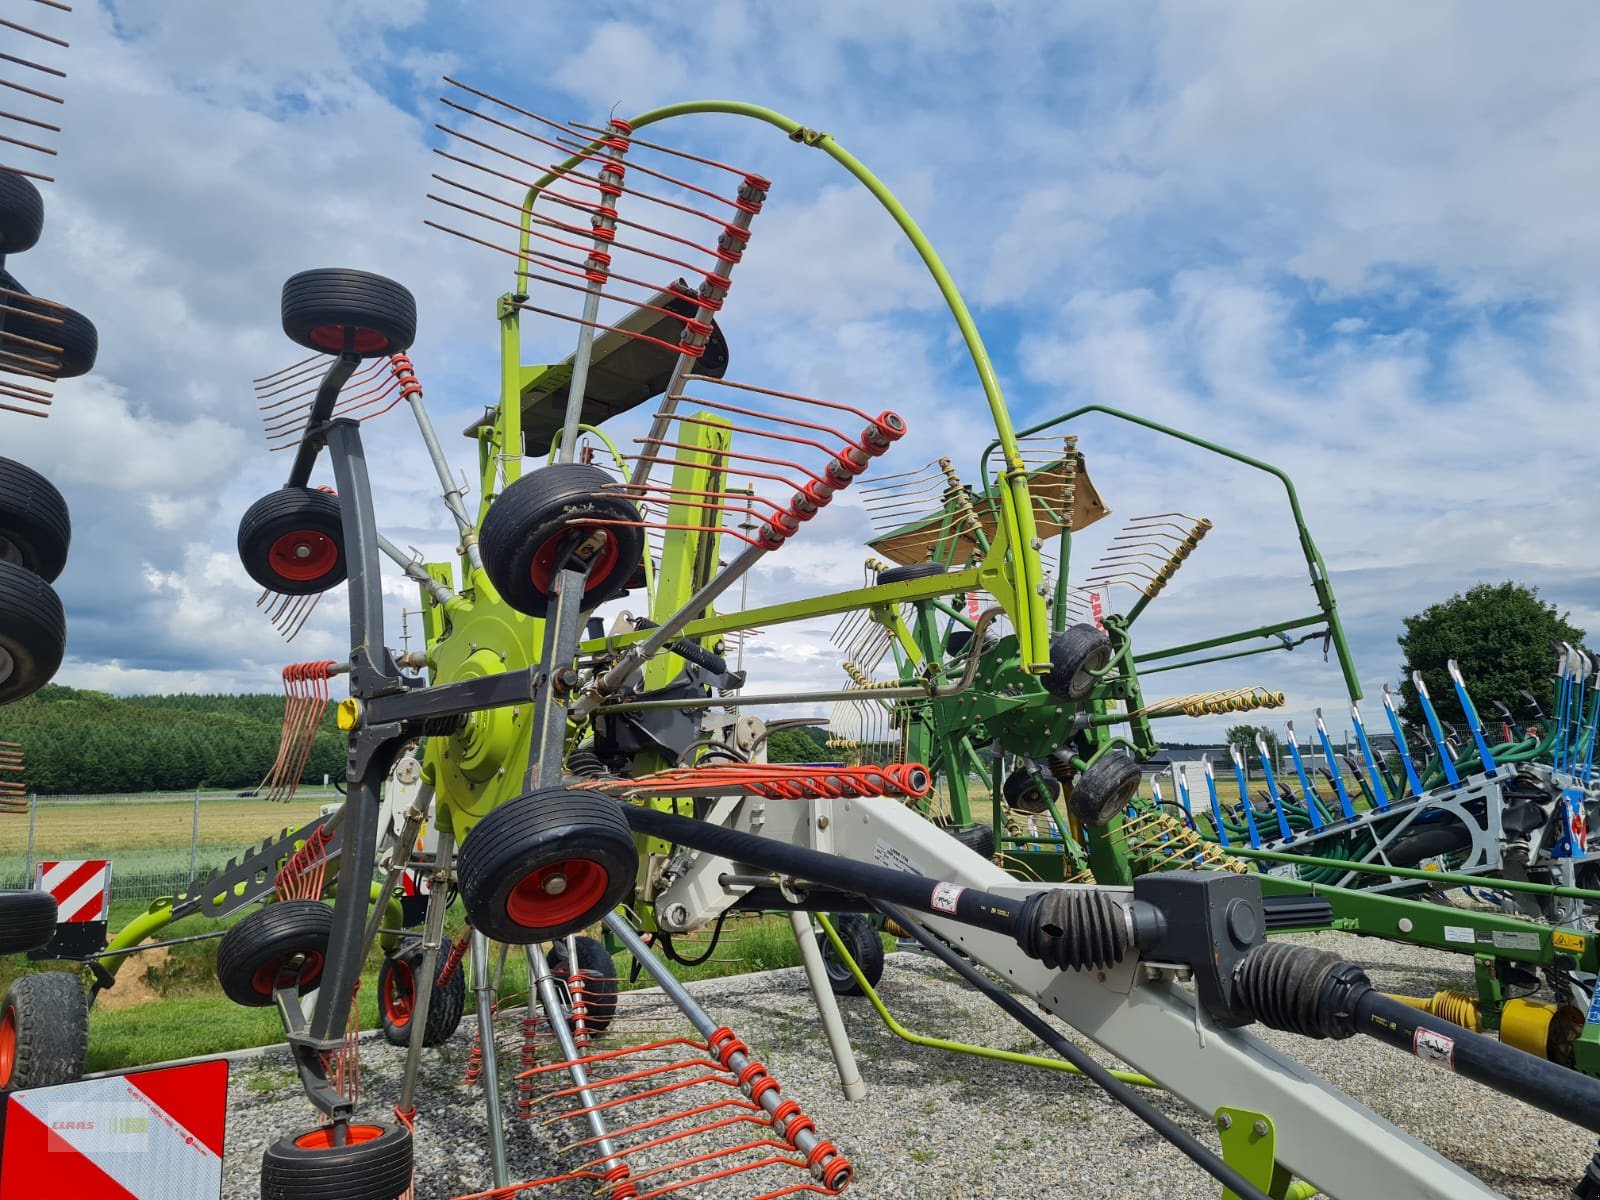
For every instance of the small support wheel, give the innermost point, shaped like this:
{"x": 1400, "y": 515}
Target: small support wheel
{"x": 44, "y": 1031}
{"x": 252, "y": 953}
{"x": 977, "y": 838}
{"x": 545, "y": 518}
{"x": 921, "y": 570}
{"x": 373, "y": 1163}
{"x": 27, "y": 921}
{"x": 335, "y": 311}
{"x": 69, "y": 342}
{"x": 21, "y": 213}
{"x": 1022, "y": 792}
{"x": 864, "y": 945}
{"x": 545, "y": 865}
{"x": 598, "y": 972}
{"x": 33, "y": 632}
{"x": 397, "y": 997}
{"x": 1105, "y": 789}
{"x": 292, "y": 541}
{"x": 35, "y": 530}
{"x": 1075, "y": 653}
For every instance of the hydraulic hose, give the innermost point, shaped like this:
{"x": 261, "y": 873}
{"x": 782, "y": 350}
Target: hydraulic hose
{"x": 1124, "y": 1095}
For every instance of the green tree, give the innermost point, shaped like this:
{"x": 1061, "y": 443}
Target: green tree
{"x": 1501, "y": 636}
{"x": 1244, "y": 737}
{"x": 793, "y": 746}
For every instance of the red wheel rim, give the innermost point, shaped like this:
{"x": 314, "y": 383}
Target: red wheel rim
{"x": 331, "y": 337}
{"x": 399, "y": 993}
{"x": 8, "y": 1047}
{"x": 266, "y": 977}
{"x": 303, "y": 554}
{"x": 322, "y": 1139}
{"x": 532, "y": 906}
{"x": 543, "y": 568}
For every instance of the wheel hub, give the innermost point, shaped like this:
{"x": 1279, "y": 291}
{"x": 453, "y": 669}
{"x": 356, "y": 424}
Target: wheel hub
{"x": 303, "y": 554}
{"x": 9, "y": 551}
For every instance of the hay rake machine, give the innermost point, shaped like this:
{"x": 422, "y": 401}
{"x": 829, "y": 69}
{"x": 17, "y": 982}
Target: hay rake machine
{"x": 1514, "y": 810}
{"x": 1060, "y": 754}
{"x": 581, "y": 774}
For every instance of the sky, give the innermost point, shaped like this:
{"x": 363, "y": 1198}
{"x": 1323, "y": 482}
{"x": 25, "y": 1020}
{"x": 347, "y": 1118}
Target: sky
{"x": 1358, "y": 242}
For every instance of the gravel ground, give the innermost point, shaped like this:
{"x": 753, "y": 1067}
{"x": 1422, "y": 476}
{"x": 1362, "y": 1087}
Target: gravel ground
{"x": 937, "y": 1125}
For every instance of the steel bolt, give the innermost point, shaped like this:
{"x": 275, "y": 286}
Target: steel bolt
{"x": 555, "y": 884}
{"x": 1224, "y": 1121}
{"x": 822, "y": 822}
{"x": 1259, "y": 1129}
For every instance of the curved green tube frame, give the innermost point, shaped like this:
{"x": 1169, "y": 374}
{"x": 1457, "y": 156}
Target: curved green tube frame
{"x": 1313, "y": 556}
{"x": 1016, "y": 507}
{"x": 917, "y": 1039}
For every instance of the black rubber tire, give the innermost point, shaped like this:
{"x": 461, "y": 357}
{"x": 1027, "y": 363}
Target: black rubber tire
{"x": 864, "y": 945}
{"x": 27, "y": 921}
{"x": 33, "y": 632}
{"x": 978, "y": 838}
{"x": 289, "y": 525}
{"x": 600, "y": 980}
{"x": 35, "y": 529}
{"x": 45, "y": 1020}
{"x": 398, "y": 975}
{"x": 1105, "y": 789}
{"x": 509, "y": 854}
{"x": 70, "y": 341}
{"x": 21, "y": 213}
{"x": 527, "y": 527}
{"x": 318, "y": 305}
{"x": 1022, "y": 794}
{"x": 377, "y": 1169}
{"x": 1074, "y": 652}
{"x": 249, "y": 953}
{"x": 921, "y": 570}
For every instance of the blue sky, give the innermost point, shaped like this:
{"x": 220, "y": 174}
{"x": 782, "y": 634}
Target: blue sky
{"x": 1357, "y": 241}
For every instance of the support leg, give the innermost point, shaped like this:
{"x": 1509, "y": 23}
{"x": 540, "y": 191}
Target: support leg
{"x": 432, "y": 940}
{"x": 483, "y": 980}
{"x": 844, "y": 1057}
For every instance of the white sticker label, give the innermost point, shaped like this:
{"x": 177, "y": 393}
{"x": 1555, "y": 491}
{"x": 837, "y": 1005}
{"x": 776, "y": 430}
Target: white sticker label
{"x": 1284, "y": 870}
{"x": 1435, "y": 1047}
{"x": 945, "y": 896}
{"x": 1458, "y": 933}
{"x": 895, "y": 858}
{"x": 1515, "y": 941}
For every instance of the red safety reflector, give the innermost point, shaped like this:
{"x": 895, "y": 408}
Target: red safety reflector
{"x": 145, "y": 1135}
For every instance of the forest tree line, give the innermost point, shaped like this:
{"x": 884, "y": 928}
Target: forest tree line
{"x": 76, "y": 741}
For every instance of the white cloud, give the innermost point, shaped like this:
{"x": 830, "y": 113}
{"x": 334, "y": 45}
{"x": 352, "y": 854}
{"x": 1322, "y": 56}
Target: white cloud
{"x": 1154, "y": 206}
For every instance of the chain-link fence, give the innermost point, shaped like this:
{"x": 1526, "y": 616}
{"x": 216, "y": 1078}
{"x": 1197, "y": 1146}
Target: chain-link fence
{"x": 159, "y": 843}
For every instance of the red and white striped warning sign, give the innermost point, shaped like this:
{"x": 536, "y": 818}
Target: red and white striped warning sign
{"x": 82, "y": 889}
{"x": 414, "y": 882}
{"x": 148, "y": 1135}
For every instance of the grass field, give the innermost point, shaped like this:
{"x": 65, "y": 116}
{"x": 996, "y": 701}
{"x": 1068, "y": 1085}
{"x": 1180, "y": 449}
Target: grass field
{"x": 145, "y": 838}
{"x": 167, "y": 1004}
